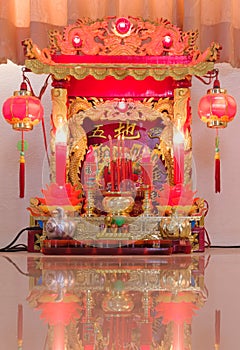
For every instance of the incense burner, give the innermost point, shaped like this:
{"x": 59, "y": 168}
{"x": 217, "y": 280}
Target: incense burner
{"x": 118, "y": 203}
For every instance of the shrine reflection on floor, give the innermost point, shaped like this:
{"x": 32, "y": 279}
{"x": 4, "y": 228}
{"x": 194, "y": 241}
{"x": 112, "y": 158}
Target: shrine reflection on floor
{"x": 173, "y": 302}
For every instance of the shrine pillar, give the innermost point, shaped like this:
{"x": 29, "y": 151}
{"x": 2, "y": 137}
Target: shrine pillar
{"x": 59, "y": 132}
{"x": 182, "y": 141}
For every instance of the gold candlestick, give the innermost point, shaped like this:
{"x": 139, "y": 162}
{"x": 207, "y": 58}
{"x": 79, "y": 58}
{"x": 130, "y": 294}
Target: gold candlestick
{"x": 147, "y": 204}
{"x": 89, "y": 204}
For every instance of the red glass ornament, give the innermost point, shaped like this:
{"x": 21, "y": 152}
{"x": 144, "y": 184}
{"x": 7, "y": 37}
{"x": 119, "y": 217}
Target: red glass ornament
{"x": 167, "y": 41}
{"x": 122, "y": 25}
{"x": 76, "y": 41}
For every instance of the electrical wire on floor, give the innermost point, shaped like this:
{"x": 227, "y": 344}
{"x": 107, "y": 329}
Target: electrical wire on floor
{"x": 18, "y": 247}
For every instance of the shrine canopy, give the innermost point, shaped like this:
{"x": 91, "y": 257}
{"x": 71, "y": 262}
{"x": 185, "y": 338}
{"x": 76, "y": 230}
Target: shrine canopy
{"x": 121, "y": 57}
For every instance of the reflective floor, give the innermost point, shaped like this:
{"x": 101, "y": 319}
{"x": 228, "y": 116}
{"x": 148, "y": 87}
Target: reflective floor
{"x": 174, "y": 302}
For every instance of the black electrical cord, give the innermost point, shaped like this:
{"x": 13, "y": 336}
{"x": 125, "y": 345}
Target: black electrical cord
{"x": 23, "y": 247}
{"x": 18, "y": 247}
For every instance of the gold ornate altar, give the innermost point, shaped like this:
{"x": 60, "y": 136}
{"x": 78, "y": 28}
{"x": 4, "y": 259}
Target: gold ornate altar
{"x": 121, "y": 92}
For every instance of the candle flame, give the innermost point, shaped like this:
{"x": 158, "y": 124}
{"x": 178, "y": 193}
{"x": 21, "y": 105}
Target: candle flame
{"x": 61, "y": 134}
{"x": 178, "y": 137}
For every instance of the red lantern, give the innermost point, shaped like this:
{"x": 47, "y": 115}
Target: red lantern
{"x": 22, "y": 111}
{"x": 217, "y": 109}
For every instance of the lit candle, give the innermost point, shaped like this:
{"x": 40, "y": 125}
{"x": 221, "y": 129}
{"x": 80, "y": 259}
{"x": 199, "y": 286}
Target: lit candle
{"x": 178, "y": 157}
{"x": 61, "y": 155}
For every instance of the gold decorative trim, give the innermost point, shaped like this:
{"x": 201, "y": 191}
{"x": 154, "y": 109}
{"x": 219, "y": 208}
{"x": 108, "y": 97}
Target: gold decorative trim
{"x": 59, "y": 120}
{"x": 181, "y": 113}
{"x": 118, "y": 71}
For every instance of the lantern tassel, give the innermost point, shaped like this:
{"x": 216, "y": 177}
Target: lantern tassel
{"x": 217, "y": 166}
{"x": 22, "y": 176}
{"x": 22, "y": 169}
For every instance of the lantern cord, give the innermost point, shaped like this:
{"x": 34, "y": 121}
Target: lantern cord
{"x": 42, "y": 91}
{"x": 45, "y": 140}
{"x": 208, "y": 78}
{"x": 22, "y": 170}
{"x": 217, "y": 164}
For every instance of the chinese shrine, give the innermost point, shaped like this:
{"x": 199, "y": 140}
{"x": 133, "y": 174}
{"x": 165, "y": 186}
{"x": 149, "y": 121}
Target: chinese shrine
{"x": 121, "y": 177}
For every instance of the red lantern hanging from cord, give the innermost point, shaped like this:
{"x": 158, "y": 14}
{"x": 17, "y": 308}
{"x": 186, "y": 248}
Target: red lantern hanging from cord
{"x": 217, "y": 109}
{"x": 23, "y": 110}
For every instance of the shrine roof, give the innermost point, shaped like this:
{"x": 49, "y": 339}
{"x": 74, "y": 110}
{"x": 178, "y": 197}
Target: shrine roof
{"x": 121, "y": 47}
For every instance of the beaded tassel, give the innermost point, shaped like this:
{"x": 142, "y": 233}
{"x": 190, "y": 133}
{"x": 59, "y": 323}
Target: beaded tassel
{"x": 217, "y": 166}
{"x": 22, "y": 170}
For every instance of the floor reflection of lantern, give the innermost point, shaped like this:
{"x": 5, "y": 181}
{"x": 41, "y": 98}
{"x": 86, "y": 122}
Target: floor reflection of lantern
{"x": 217, "y": 109}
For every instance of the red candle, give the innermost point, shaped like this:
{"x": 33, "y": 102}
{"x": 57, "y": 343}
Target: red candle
{"x": 147, "y": 166}
{"x": 61, "y": 156}
{"x": 178, "y": 157}
{"x": 118, "y": 164}
{"x": 111, "y": 162}
{"x": 61, "y": 150}
{"x": 123, "y": 159}
{"x": 110, "y": 147}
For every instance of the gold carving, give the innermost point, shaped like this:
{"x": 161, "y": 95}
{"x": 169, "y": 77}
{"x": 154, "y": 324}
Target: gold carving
{"x": 111, "y": 110}
{"x": 181, "y": 98}
{"x": 59, "y": 119}
{"x": 119, "y": 71}
{"x": 78, "y": 148}
{"x": 33, "y": 51}
{"x": 102, "y": 37}
{"x": 59, "y": 107}
{"x": 90, "y": 32}
{"x": 78, "y": 104}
